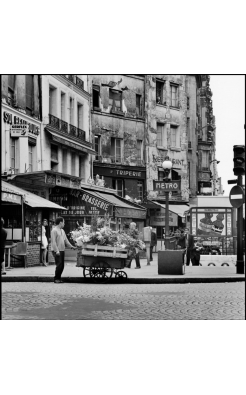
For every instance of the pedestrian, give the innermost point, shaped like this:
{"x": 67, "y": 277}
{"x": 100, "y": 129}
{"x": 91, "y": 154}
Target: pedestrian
{"x": 58, "y": 242}
{"x": 44, "y": 242}
{"x": 197, "y": 252}
{"x": 3, "y": 242}
{"x": 153, "y": 243}
{"x": 190, "y": 247}
{"x": 133, "y": 232}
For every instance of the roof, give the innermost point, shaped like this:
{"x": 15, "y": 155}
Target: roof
{"x": 31, "y": 199}
{"x": 210, "y": 201}
{"x": 178, "y": 209}
{"x": 118, "y": 202}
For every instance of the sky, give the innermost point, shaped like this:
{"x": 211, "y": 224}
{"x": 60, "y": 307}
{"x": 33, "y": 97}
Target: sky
{"x": 229, "y": 111}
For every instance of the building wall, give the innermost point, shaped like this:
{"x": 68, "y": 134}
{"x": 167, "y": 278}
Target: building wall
{"x": 61, "y": 110}
{"x": 168, "y": 116}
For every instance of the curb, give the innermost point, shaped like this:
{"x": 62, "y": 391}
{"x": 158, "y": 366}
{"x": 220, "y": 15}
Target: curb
{"x": 79, "y": 280}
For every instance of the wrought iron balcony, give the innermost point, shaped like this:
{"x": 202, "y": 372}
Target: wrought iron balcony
{"x": 76, "y": 80}
{"x": 66, "y": 128}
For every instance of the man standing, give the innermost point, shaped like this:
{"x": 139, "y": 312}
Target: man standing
{"x": 133, "y": 232}
{"x": 152, "y": 243}
{"x": 190, "y": 246}
{"x": 58, "y": 242}
{"x": 3, "y": 241}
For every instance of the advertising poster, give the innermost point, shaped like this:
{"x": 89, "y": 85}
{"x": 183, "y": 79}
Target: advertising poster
{"x": 211, "y": 223}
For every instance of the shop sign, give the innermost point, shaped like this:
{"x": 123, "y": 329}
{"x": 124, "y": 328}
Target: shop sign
{"x": 14, "y": 120}
{"x": 130, "y": 213}
{"x": 166, "y": 186}
{"x": 19, "y": 130}
{"x": 84, "y": 204}
{"x": 10, "y": 197}
{"x": 125, "y": 173}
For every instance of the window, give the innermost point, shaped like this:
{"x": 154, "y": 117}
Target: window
{"x": 30, "y": 152}
{"x": 12, "y": 153}
{"x": 95, "y": 96}
{"x": 159, "y": 92}
{"x": 81, "y": 167}
{"x": 80, "y": 116}
{"x": 115, "y": 150}
{"x": 118, "y": 185}
{"x": 140, "y": 150}
{"x": 188, "y": 103}
{"x": 140, "y": 190}
{"x": 174, "y": 95}
{"x": 11, "y": 84}
{"x": 97, "y": 145}
{"x": 175, "y": 138}
{"x": 138, "y": 105}
{"x": 161, "y": 137}
{"x": 64, "y": 161}
{"x": 70, "y": 111}
{"x": 205, "y": 160}
{"x": 73, "y": 162}
{"x": 188, "y": 129}
{"x": 52, "y": 100}
{"x": 63, "y": 106}
{"x": 29, "y": 94}
{"x": 54, "y": 153}
{"x": 115, "y": 100}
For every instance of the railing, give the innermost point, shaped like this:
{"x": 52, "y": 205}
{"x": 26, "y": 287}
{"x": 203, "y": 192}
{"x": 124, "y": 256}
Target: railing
{"x": 66, "y": 128}
{"x": 76, "y": 80}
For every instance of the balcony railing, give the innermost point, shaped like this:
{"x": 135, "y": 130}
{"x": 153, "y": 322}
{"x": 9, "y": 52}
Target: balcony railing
{"x": 76, "y": 80}
{"x": 66, "y": 128}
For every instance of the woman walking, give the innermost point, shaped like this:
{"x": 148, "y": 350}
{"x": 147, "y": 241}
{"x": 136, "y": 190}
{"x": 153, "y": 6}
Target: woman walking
{"x": 44, "y": 242}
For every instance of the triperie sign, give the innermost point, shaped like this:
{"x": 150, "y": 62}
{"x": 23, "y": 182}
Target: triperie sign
{"x": 166, "y": 186}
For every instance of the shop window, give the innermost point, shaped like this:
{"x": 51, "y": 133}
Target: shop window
{"x": 161, "y": 135}
{"x": 160, "y": 92}
{"x": 118, "y": 185}
{"x": 95, "y": 96}
{"x": 140, "y": 190}
{"x": 138, "y": 105}
{"x": 140, "y": 150}
{"x": 13, "y": 147}
{"x": 33, "y": 225}
{"x": 175, "y": 136}
{"x": 97, "y": 146}
{"x": 54, "y": 157}
{"x": 115, "y": 100}
{"x": 115, "y": 150}
{"x": 174, "y": 95}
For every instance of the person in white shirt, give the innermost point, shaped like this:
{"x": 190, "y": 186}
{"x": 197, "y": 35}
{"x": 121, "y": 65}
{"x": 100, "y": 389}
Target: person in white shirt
{"x": 58, "y": 242}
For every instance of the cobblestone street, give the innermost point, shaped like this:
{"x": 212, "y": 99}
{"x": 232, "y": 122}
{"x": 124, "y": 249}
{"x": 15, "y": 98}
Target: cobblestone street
{"x": 48, "y": 301}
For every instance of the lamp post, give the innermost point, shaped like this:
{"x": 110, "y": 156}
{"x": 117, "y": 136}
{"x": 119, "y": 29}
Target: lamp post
{"x": 167, "y": 165}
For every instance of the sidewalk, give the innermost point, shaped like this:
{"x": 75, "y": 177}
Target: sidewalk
{"x": 147, "y": 274}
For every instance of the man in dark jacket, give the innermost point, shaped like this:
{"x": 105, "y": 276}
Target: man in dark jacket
{"x": 3, "y": 241}
{"x": 190, "y": 247}
{"x": 152, "y": 243}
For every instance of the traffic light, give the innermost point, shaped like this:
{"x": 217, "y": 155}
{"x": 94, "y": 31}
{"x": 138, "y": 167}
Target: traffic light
{"x": 239, "y": 160}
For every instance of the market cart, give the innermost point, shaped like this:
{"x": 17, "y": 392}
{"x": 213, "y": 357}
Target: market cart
{"x": 101, "y": 262}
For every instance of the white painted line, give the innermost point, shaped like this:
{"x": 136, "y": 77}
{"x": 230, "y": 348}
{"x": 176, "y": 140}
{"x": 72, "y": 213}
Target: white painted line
{"x": 236, "y": 196}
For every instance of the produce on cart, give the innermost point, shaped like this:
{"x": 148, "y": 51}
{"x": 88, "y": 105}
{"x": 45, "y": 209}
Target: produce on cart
{"x": 102, "y": 251}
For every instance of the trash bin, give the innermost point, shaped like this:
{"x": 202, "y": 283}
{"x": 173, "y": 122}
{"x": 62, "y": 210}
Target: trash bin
{"x": 171, "y": 262}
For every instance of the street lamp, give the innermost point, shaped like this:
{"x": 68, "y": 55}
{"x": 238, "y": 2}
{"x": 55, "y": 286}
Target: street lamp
{"x": 167, "y": 165}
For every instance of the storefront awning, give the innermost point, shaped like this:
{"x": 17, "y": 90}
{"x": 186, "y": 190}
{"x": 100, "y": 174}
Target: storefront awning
{"x": 178, "y": 209}
{"x": 123, "y": 207}
{"x": 30, "y": 199}
{"x": 70, "y": 143}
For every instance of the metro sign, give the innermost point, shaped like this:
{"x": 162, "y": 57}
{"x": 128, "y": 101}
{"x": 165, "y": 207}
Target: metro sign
{"x": 166, "y": 186}
{"x": 236, "y": 196}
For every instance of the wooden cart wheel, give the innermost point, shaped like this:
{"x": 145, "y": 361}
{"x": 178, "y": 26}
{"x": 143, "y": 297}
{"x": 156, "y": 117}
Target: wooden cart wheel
{"x": 121, "y": 275}
{"x": 101, "y": 271}
{"x": 86, "y": 271}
